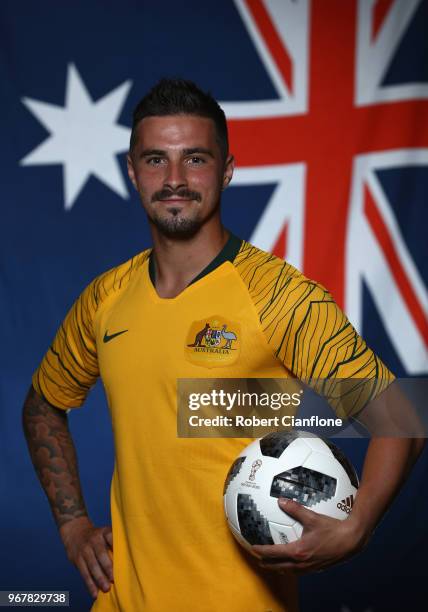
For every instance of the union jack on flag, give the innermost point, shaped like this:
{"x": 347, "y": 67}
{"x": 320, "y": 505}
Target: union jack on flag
{"x": 348, "y": 126}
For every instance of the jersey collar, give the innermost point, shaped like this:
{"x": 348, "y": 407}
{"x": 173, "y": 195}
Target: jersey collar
{"x": 228, "y": 253}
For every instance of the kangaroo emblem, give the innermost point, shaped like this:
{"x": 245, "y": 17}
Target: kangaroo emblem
{"x": 200, "y": 336}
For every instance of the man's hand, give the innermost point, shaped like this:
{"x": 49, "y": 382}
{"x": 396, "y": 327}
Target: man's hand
{"x": 54, "y": 457}
{"x": 324, "y": 542}
{"x": 88, "y": 548}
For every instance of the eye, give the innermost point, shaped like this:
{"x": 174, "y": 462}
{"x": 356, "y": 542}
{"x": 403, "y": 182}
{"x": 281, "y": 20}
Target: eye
{"x": 195, "y": 160}
{"x": 155, "y": 161}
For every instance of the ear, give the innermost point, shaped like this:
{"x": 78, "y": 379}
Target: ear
{"x": 131, "y": 171}
{"x": 228, "y": 171}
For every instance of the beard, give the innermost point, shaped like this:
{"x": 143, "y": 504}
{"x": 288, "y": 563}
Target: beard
{"x": 176, "y": 226}
{"x": 173, "y": 223}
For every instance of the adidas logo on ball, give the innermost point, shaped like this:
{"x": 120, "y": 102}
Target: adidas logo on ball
{"x": 346, "y": 504}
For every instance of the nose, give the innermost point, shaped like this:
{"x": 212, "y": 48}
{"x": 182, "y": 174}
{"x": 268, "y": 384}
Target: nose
{"x": 175, "y": 176}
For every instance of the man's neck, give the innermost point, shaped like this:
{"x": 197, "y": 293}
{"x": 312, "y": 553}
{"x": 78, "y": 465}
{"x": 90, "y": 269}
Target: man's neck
{"x": 178, "y": 262}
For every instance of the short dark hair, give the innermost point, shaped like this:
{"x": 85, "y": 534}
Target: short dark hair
{"x": 181, "y": 97}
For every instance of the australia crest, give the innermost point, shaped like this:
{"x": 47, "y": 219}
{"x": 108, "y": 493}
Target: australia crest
{"x": 213, "y": 342}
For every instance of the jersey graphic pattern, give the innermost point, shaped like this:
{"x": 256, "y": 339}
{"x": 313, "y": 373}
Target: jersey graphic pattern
{"x": 308, "y": 332}
{"x": 305, "y": 328}
{"x": 70, "y": 366}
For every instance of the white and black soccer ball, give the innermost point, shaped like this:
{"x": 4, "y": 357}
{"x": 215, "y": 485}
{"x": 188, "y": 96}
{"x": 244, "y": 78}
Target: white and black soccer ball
{"x": 298, "y": 465}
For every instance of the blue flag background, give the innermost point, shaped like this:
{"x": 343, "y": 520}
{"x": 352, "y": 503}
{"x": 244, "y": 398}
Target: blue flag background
{"x": 70, "y": 75}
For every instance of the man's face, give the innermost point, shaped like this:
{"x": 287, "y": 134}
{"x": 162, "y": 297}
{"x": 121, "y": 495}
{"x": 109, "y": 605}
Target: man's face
{"x": 177, "y": 168}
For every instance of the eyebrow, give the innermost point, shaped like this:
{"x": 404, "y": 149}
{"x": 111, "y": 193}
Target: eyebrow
{"x": 161, "y": 153}
{"x": 148, "y": 152}
{"x": 198, "y": 150}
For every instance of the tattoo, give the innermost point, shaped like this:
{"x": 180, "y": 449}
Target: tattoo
{"x": 54, "y": 457}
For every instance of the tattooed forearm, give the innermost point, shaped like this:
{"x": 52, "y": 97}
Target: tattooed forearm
{"x": 54, "y": 457}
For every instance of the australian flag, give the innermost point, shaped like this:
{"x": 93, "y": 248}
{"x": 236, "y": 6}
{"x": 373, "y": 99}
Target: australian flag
{"x": 327, "y": 104}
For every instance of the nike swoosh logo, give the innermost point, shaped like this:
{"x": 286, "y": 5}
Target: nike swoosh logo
{"x": 107, "y": 338}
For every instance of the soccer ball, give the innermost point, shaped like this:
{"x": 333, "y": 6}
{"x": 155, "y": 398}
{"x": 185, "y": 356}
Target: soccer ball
{"x": 297, "y": 465}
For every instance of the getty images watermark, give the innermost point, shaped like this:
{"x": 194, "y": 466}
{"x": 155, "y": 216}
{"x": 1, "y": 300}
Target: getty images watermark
{"x": 240, "y": 401}
{"x": 248, "y": 408}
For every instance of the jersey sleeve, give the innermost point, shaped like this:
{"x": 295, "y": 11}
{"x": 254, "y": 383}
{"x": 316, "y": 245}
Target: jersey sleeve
{"x": 315, "y": 341}
{"x": 310, "y": 334}
{"x": 70, "y": 366}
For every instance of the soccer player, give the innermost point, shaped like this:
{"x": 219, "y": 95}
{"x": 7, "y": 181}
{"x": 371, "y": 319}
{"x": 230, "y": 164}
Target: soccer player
{"x": 141, "y": 326}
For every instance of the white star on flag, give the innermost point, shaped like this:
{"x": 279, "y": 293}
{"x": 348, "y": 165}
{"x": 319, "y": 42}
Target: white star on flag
{"x": 84, "y": 137}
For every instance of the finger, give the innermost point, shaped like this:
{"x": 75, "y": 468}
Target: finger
{"x": 84, "y": 572}
{"x": 276, "y": 551}
{"x": 104, "y": 559}
{"x": 300, "y": 513}
{"x": 276, "y": 568}
{"x": 95, "y": 569}
{"x": 108, "y": 536}
{"x": 281, "y": 568}
{"x": 295, "y": 567}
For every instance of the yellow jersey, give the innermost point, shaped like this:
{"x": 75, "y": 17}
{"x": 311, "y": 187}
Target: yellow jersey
{"x": 172, "y": 547}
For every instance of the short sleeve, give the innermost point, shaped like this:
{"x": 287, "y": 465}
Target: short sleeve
{"x": 315, "y": 341}
{"x": 70, "y": 366}
{"x": 310, "y": 334}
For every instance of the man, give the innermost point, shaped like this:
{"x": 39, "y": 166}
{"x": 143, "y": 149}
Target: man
{"x": 137, "y": 326}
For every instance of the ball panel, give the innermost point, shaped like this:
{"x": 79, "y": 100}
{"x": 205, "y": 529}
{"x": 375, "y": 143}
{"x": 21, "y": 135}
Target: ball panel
{"x": 275, "y": 443}
{"x": 233, "y": 472}
{"x": 238, "y": 536}
{"x": 344, "y": 462}
{"x": 282, "y": 534}
{"x": 253, "y": 526}
{"x": 329, "y": 465}
{"x": 298, "y": 530}
{"x": 318, "y": 444}
{"x": 325, "y": 463}
{"x": 307, "y": 487}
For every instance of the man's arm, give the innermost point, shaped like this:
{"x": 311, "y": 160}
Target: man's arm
{"x": 54, "y": 457}
{"x": 327, "y": 541}
{"x": 387, "y": 464}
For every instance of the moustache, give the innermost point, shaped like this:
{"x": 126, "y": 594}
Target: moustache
{"x": 166, "y": 194}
